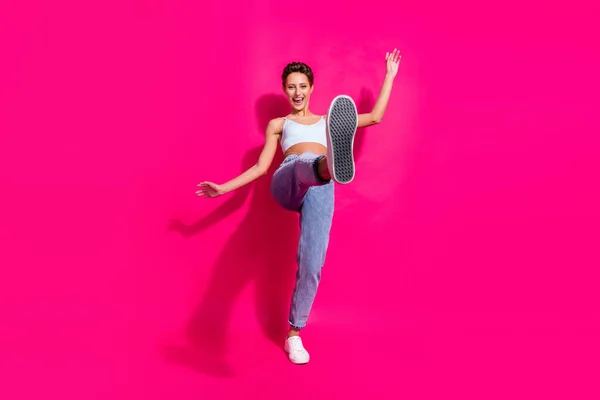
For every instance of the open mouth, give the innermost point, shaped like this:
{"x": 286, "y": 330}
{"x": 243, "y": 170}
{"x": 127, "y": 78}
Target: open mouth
{"x": 298, "y": 100}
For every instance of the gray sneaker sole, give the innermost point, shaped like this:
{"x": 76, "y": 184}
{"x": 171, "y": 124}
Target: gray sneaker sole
{"x": 342, "y": 121}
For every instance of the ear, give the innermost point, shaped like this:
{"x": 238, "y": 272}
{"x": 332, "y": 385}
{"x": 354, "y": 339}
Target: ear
{"x": 312, "y": 88}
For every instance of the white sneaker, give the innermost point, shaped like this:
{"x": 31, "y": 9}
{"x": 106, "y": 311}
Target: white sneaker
{"x": 296, "y": 351}
{"x": 342, "y": 121}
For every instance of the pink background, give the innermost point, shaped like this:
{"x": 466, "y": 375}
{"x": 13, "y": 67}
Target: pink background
{"x": 464, "y": 257}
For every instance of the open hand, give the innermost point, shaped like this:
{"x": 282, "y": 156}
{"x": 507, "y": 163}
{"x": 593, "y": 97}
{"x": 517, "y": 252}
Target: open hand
{"x": 392, "y": 60}
{"x": 209, "y": 189}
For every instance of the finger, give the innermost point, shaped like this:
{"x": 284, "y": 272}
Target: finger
{"x": 387, "y": 55}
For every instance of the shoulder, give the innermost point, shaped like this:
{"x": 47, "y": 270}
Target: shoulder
{"x": 275, "y": 126}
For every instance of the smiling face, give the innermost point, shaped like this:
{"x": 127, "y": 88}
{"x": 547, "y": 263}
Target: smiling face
{"x": 298, "y": 90}
{"x": 297, "y": 80}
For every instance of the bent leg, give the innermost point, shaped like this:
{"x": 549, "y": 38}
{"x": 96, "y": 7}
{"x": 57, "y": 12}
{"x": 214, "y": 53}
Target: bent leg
{"x": 294, "y": 177}
{"x": 308, "y": 169}
{"x": 315, "y": 224}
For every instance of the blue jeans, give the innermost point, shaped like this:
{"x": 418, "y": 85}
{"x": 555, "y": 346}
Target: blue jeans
{"x": 297, "y": 187}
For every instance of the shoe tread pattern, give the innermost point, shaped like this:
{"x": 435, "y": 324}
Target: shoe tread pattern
{"x": 342, "y": 128}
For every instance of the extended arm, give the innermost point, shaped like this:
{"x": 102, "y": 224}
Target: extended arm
{"x": 210, "y": 189}
{"x": 376, "y": 115}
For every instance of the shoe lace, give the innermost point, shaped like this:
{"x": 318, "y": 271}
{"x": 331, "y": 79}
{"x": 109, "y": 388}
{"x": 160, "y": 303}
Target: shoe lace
{"x": 296, "y": 343}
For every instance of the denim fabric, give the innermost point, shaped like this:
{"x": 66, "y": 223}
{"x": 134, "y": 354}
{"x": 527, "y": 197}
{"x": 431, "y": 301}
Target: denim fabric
{"x": 297, "y": 187}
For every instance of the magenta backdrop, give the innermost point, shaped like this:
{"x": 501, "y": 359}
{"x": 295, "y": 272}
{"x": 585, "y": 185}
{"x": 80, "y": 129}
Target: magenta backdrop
{"x": 463, "y": 260}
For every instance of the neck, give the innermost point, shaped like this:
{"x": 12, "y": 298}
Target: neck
{"x": 303, "y": 113}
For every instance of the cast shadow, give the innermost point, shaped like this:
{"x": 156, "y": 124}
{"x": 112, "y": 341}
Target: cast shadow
{"x": 364, "y": 104}
{"x": 261, "y": 252}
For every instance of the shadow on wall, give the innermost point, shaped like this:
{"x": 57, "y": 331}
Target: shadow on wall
{"x": 262, "y": 251}
{"x": 364, "y": 104}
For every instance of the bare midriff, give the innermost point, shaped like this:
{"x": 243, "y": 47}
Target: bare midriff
{"x": 307, "y": 147}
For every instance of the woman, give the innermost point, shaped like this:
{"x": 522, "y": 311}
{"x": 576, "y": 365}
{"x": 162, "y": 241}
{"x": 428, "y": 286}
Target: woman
{"x": 317, "y": 153}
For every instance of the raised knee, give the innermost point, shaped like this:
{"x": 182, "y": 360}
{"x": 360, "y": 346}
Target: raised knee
{"x": 308, "y": 155}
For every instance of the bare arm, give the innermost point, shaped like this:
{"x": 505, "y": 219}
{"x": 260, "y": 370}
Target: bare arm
{"x": 376, "y": 115}
{"x": 210, "y": 189}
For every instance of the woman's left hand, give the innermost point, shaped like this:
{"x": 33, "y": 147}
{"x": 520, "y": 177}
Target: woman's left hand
{"x": 392, "y": 60}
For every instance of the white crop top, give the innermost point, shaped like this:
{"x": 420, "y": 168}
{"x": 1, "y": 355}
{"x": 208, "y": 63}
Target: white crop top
{"x": 294, "y": 133}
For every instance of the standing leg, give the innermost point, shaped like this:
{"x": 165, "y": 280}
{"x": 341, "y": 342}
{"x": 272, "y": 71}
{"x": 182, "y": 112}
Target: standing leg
{"x": 316, "y": 216}
{"x": 315, "y": 224}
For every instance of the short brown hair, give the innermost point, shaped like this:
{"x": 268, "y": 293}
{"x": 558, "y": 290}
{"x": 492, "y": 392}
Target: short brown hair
{"x": 297, "y": 67}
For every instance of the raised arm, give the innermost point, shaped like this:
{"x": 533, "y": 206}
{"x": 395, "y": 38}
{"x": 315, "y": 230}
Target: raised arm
{"x": 210, "y": 189}
{"x": 376, "y": 115}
